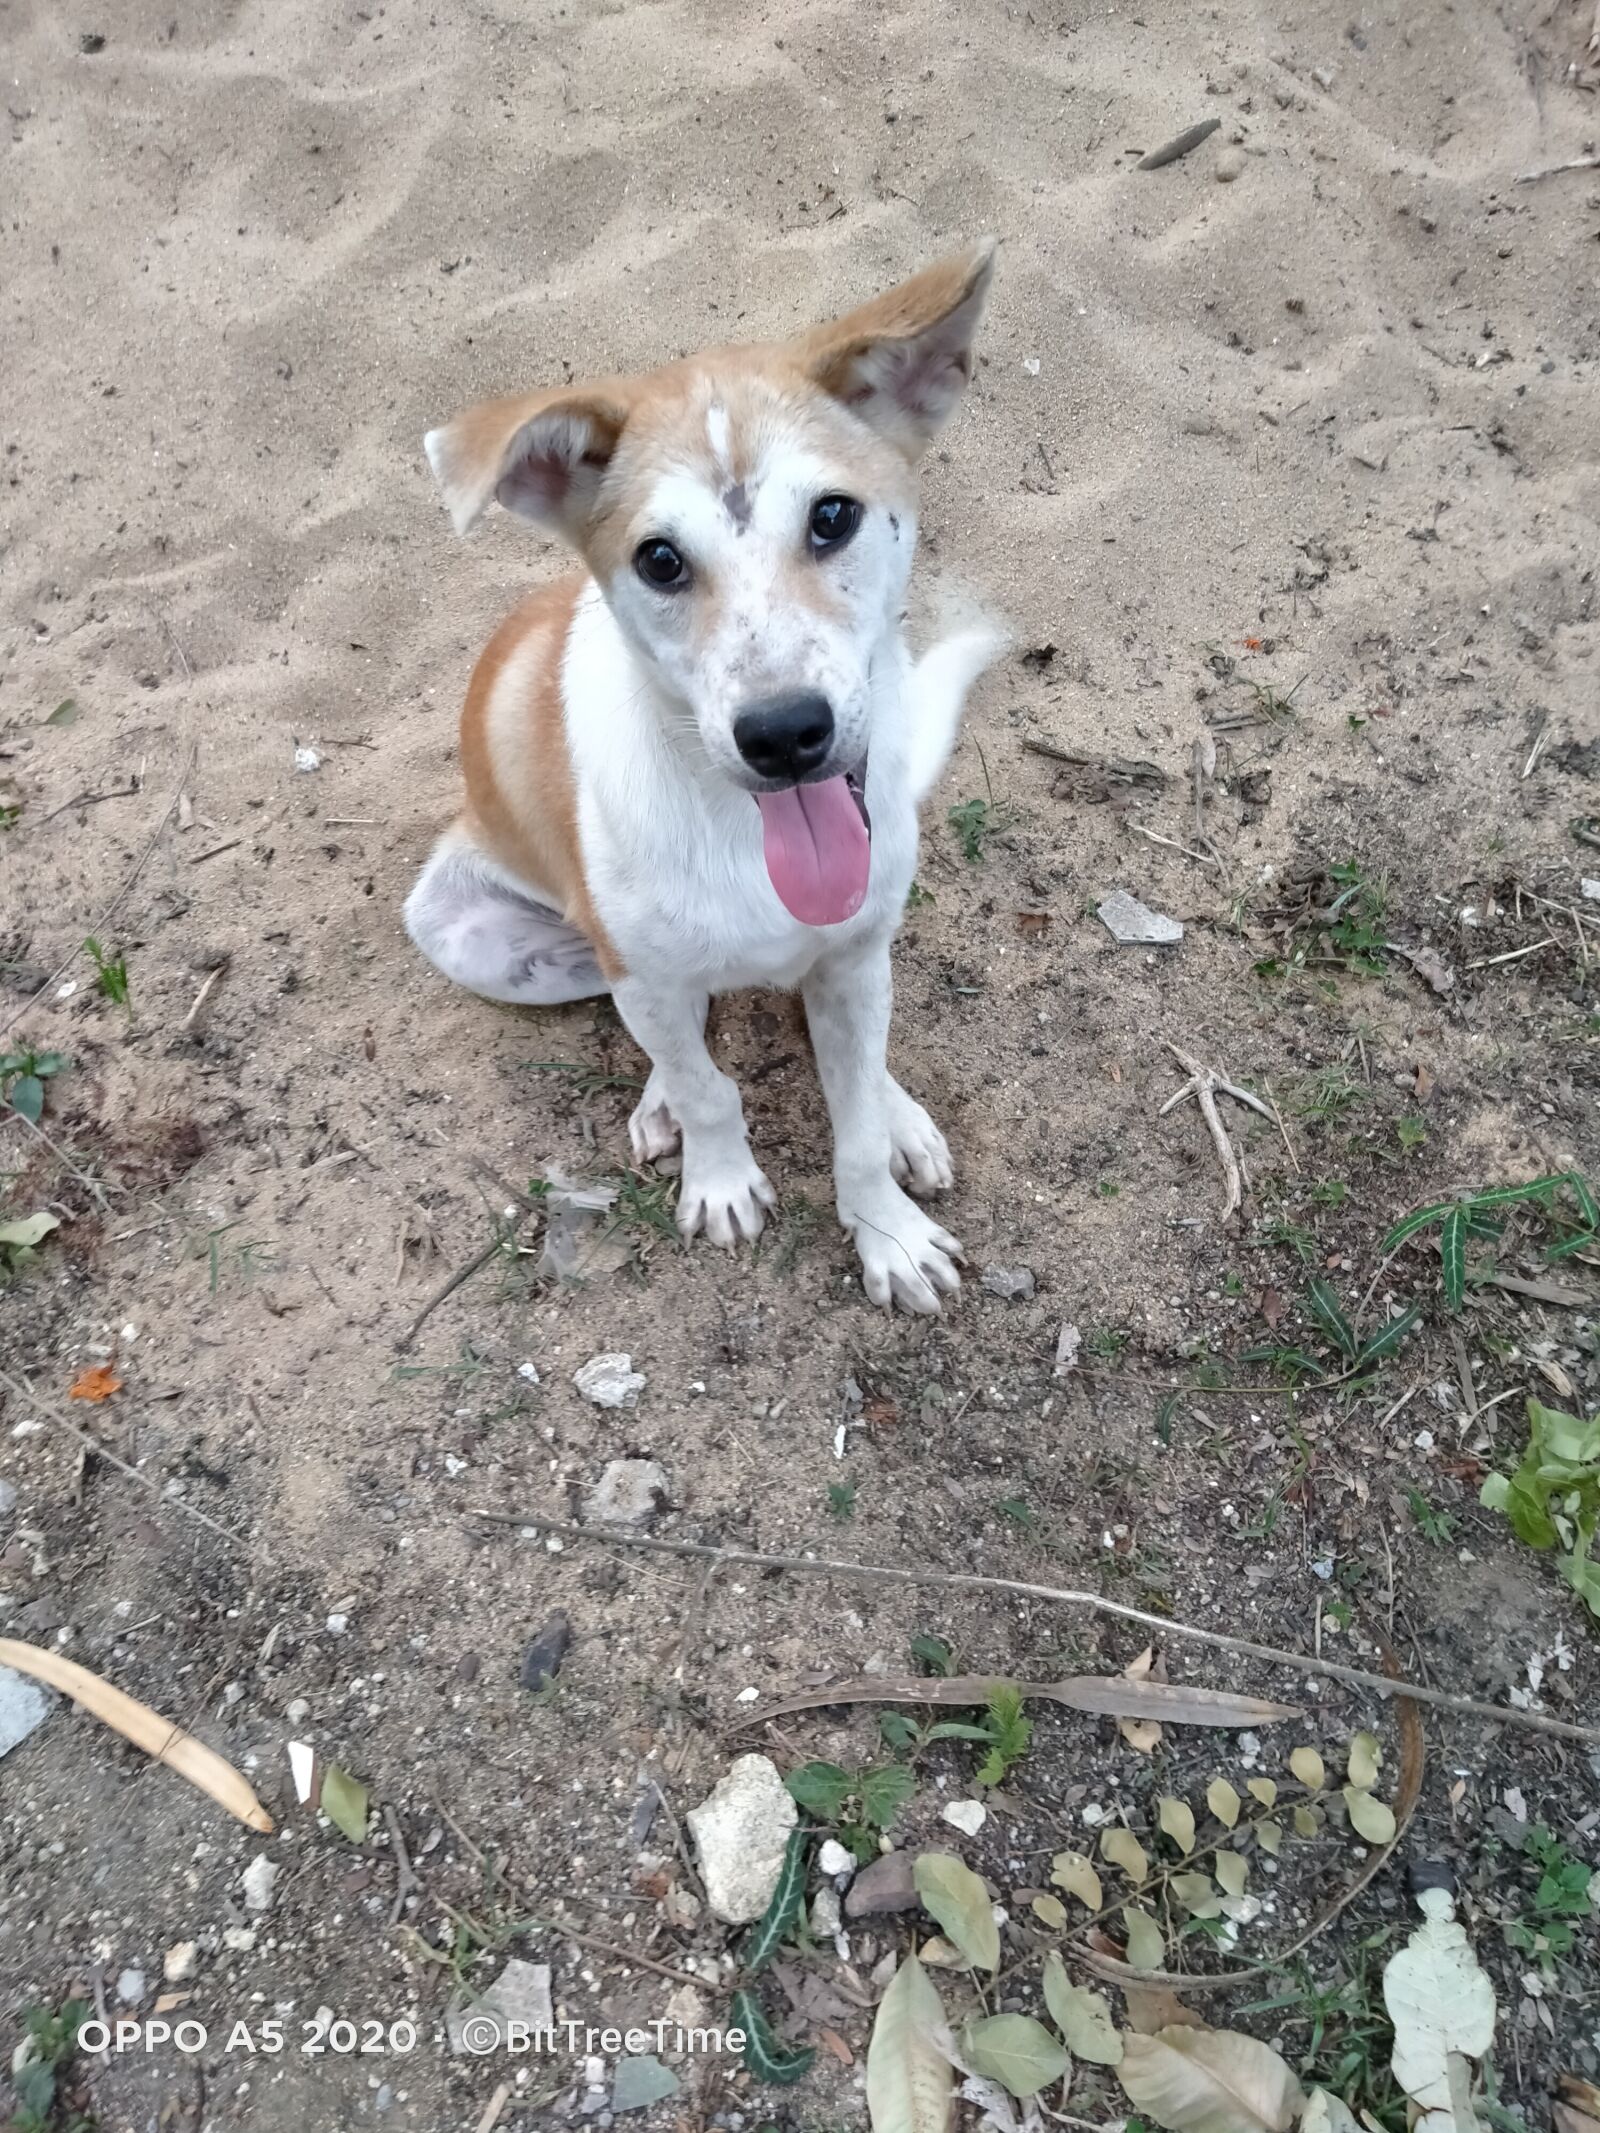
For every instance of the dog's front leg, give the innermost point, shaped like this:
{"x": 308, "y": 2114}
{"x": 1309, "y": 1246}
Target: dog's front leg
{"x": 723, "y": 1190}
{"x": 906, "y": 1258}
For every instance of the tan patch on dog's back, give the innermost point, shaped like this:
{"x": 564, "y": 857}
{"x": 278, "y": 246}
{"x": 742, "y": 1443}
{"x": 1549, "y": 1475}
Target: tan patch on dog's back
{"x": 522, "y": 804}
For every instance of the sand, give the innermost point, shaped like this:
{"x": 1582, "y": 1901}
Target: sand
{"x": 1313, "y": 408}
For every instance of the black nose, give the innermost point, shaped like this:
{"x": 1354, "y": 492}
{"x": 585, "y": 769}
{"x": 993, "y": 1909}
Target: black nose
{"x": 785, "y": 736}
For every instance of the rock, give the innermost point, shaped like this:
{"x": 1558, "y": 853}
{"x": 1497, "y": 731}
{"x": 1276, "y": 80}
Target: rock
{"x": 1134, "y": 924}
{"x": 258, "y": 1882}
{"x": 740, "y": 1831}
{"x": 520, "y": 1994}
{"x": 239, "y": 1940}
{"x": 8, "y": 1498}
{"x": 968, "y": 1816}
{"x": 834, "y": 1858}
{"x": 610, "y": 1381}
{"x": 1591, "y": 890}
{"x": 681, "y": 1908}
{"x": 24, "y": 1707}
{"x": 180, "y": 1961}
{"x": 297, "y": 1712}
{"x": 640, "y": 2081}
{"x": 1069, "y": 1342}
{"x": 541, "y": 1662}
{"x": 130, "y": 1987}
{"x": 827, "y": 1918}
{"x": 1014, "y": 1283}
{"x": 883, "y": 1887}
{"x": 1228, "y": 166}
{"x": 628, "y": 1492}
{"x": 306, "y": 760}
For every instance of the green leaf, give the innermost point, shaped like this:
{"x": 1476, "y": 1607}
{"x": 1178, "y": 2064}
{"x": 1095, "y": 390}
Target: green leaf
{"x": 66, "y": 713}
{"x": 344, "y": 1802}
{"x": 957, "y": 1729}
{"x": 1325, "y": 1309}
{"x": 1147, "y": 1946}
{"x": 767, "y": 2059}
{"x": 884, "y": 1791}
{"x": 1369, "y": 1817}
{"x": 28, "y": 1231}
{"x": 1014, "y": 2050}
{"x": 1009, "y": 1731}
{"x": 1195, "y": 1893}
{"x": 898, "y": 1731}
{"x": 1570, "y": 1245}
{"x": 26, "y": 1096}
{"x": 1386, "y": 1341}
{"x": 821, "y": 1789}
{"x": 933, "y": 1654}
{"x": 1411, "y": 1224}
{"x": 1083, "y": 2017}
{"x": 957, "y": 1900}
{"x": 783, "y": 1909}
{"x": 1453, "y": 1256}
{"x": 1588, "y": 1207}
{"x": 1176, "y": 1818}
{"x": 1223, "y": 1801}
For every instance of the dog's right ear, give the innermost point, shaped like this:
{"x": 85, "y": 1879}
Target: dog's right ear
{"x": 543, "y": 455}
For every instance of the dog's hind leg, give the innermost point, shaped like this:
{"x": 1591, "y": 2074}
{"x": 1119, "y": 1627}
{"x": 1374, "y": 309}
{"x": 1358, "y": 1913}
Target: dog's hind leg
{"x": 493, "y": 934}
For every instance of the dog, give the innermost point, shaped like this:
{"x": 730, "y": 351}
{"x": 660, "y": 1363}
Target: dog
{"x": 696, "y": 765}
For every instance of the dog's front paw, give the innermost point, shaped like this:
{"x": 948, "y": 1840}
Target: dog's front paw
{"x": 918, "y": 1156}
{"x": 726, "y": 1195}
{"x": 906, "y": 1258}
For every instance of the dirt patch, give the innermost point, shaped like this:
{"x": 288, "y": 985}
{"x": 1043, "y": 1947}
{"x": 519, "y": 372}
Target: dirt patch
{"x": 1286, "y": 485}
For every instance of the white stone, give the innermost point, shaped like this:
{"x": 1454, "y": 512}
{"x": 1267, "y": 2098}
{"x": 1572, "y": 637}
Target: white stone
{"x": 520, "y": 1994}
{"x": 834, "y": 1858}
{"x": 610, "y": 1381}
{"x": 628, "y": 1491}
{"x": 180, "y": 1961}
{"x": 130, "y": 1987}
{"x": 1135, "y": 924}
{"x": 307, "y": 760}
{"x": 968, "y": 1816}
{"x": 24, "y": 1707}
{"x": 740, "y": 1831}
{"x": 257, "y": 1883}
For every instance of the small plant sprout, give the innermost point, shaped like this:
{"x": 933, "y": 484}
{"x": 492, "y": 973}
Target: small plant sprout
{"x": 110, "y": 972}
{"x": 22, "y": 1079}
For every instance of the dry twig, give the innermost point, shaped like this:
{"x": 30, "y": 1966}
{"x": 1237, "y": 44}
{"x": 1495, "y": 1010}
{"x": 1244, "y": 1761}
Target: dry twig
{"x": 818, "y": 1566}
{"x": 1205, "y": 1084}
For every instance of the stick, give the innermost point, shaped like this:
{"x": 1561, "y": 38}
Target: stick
{"x": 406, "y": 1882}
{"x": 202, "y": 996}
{"x": 157, "y": 1736}
{"x": 23, "y": 1391}
{"x": 99, "y": 925}
{"x": 1205, "y": 858}
{"x": 967, "y": 1581}
{"x": 1514, "y": 955}
{"x": 461, "y": 1275}
{"x": 1181, "y": 145}
{"x": 1554, "y": 170}
{"x": 493, "y": 2108}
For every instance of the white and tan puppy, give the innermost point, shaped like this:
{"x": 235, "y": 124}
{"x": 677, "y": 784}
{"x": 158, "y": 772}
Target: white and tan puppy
{"x": 697, "y": 765}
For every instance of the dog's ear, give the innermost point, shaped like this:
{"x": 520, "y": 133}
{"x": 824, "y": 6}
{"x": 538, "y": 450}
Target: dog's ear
{"x": 901, "y": 361}
{"x": 542, "y": 455}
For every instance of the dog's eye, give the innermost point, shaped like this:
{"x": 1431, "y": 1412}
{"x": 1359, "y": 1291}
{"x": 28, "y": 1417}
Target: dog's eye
{"x": 660, "y": 564}
{"x": 833, "y": 520}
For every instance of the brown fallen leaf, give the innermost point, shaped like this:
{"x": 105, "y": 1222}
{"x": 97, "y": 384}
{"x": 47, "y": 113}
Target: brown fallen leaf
{"x": 1564, "y": 2119}
{"x": 1142, "y": 1734}
{"x": 147, "y": 1729}
{"x": 1156, "y": 2007}
{"x": 836, "y": 2044}
{"x": 1101, "y": 1695}
{"x": 95, "y": 1385}
{"x": 1209, "y": 2081}
{"x": 1272, "y": 1307}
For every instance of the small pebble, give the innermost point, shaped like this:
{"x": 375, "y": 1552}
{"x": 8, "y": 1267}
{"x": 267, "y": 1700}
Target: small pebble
{"x": 1229, "y": 165}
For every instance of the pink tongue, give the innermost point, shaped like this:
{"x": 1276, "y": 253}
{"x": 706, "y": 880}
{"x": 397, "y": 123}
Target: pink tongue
{"x": 817, "y": 851}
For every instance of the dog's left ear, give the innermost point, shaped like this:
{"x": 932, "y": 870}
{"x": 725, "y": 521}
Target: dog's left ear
{"x": 902, "y": 361}
{"x": 543, "y": 455}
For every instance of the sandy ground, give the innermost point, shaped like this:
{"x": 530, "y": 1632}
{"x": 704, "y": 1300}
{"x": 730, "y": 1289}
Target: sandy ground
{"x": 1309, "y": 413}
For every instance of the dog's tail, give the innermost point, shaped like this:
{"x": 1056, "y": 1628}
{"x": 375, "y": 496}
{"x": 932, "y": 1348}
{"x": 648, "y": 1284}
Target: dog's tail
{"x": 939, "y": 685}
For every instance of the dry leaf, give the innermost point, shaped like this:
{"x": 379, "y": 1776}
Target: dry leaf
{"x": 1074, "y": 1873}
{"x": 909, "y": 2077}
{"x": 1369, "y": 1817}
{"x": 1209, "y": 2081}
{"x": 1141, "y": 1733}
{"x": 1564, "y": 2119}
{"x": 147, "y": 1729}
{"x": 1083, "y": 2017}
{"x": 1264, "y": 1791}
{"x": 834, "y": 2043}
{"x": 1014, "y": 2050}
{"x": 1049, "y": 1910}
{"x": 1366, "y": 1754}
{"x": 1123, "y": 1849}
{"x": 1177, "y": 1822}
{"x": 95, "y": 1385}
{"x": 1233, "y": 1871}
{"x": 1307, "y": 1766}
{"x": 941, "y": 1954}
{"x": 1153, "y": 2008}
{"x": 1224, "y": 1802}
{"x": 953, "y": 1895}
{"x": 1147, "y": 1944}
{"x": 1326, "y": 2114}
{"x": 1439, "y": 2001}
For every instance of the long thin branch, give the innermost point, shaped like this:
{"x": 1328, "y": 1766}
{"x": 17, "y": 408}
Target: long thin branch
{"x": 98, "y": 925}
{"x": 882, "y": 1573}
{"x": 20, "y": 1388}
